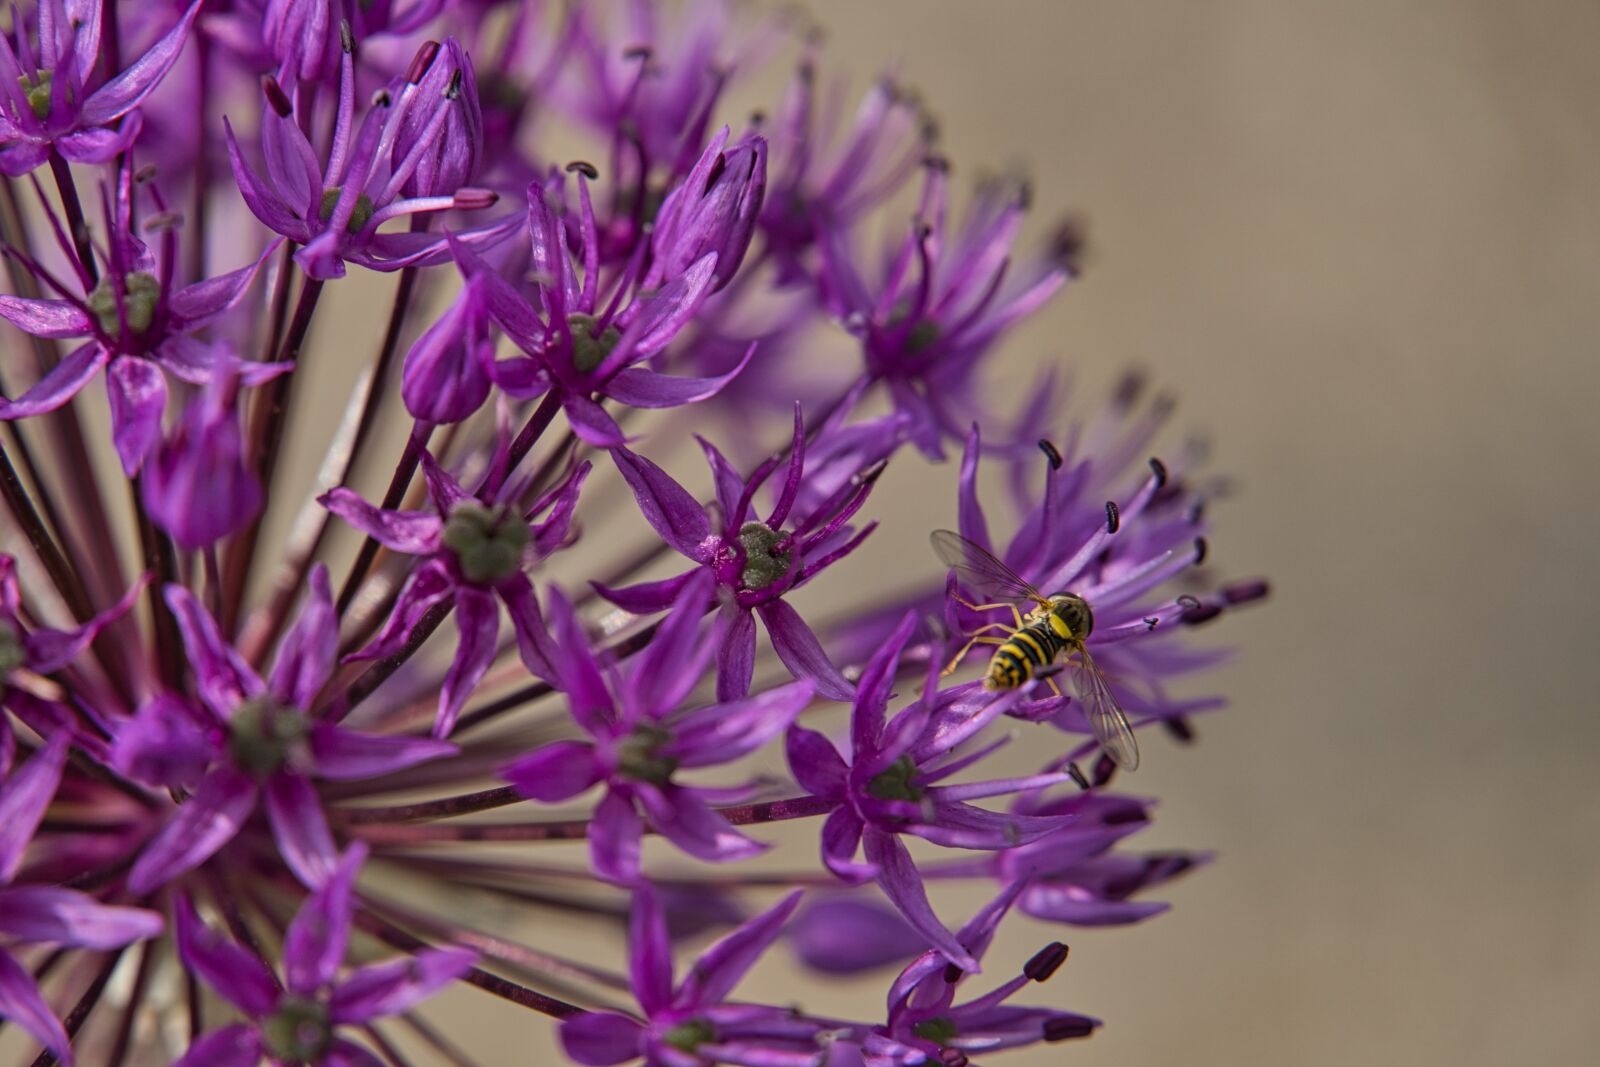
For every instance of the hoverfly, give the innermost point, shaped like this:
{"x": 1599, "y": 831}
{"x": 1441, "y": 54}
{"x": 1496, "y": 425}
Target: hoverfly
{"x": 1056, "y": 623}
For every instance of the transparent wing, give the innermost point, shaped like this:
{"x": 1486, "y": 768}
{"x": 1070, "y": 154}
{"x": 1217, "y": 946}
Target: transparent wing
{"x": 980, "y": 571}
{"x": 1105, "y": 715}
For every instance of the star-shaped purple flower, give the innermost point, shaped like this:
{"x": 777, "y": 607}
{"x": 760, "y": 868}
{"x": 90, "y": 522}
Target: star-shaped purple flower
{"x": 260, "y": 743}
{"x": 640, "y": 739}
{"x": 295, "y": 1021}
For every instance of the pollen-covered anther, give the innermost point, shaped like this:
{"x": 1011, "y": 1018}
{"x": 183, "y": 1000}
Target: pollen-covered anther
{"x": 585, "y": 168}
{"x": 1113, "y": 517}
{"x": 1160, "y": 470}
{"x": 422, "y": 61}
{"x": 488, "y": 543}
{"x": 1051, "y": 453}
{"x": 1045, "y": 962}
{"x": 766, "y": 556}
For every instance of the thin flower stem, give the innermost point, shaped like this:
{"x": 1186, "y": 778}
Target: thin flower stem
{"x": 62, "y": 575}
{"x": 77, "y": 225}
{"x": 375, "y": 675}
{"x": 398, "y": 484}
{"x": 86, "y": 1004}
{"x": 577, "y": 829}
{"x": 390, "y": 1053}
{"x": 160, "y": 558}
{"x": 535, "y": 427}
{"x": 130, "y": 1012}
{"x": 200, "y": 180}
{"x": 435, "y": 1040}
{"x": 444, "y": 808}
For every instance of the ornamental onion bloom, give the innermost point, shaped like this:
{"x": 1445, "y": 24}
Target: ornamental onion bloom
{"x": 230, "y": 690}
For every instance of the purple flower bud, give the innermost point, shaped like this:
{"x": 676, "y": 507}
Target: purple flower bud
{"x": 448, "y": 159}
{"x": 446, "y": 376}
{"x": 199, "y": 489}
{"x": 714, "y": 210}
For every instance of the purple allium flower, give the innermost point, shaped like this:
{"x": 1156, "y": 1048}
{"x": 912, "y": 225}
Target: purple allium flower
{"x": 296, "y": 1020}
{"x": 713, "y": 211}
{"x": 692, "y": 1022}
{"x": 261, "y": 745}
{"x": 47, "y": 914}
{"x": 475, "y": 554}
{"x": 46, "y": 103}
{"x": 640, "y": 740}
{"x": 756, "y": 562}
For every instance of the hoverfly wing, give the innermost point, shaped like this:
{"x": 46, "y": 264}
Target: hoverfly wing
{"x": 979, "y": 570}
{"x": 1105, "y": 715}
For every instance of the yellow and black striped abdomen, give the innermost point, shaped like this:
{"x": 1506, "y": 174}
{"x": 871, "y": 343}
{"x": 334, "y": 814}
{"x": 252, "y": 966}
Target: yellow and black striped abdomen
{"x": 1024, "y": 652}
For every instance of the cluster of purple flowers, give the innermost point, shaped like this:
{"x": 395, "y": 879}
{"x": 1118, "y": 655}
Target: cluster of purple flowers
{"x": 235, "y": 746}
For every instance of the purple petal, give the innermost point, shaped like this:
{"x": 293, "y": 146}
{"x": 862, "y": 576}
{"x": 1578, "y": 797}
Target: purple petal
{"x": 137, "y": 391}
{"x": 315, "y": 944}
{"x": 816, "y": 764}
{"x": 122, "y": 93}
{"x": 614, "y": 839}
{"x": 973, "y": 525}
{"x": 671, "y": 664}
{"x": 305, "y": 656}
{"x": 204, "y": 823}
{"x": 23, "y": 800}
{"x": 729, "y": 483}
{"x": 841, "y": 837}
{"x": 57, "y": 387}
{"x": 646, "y": 597}
{"x": 723, "y": 733}
{"x": 538, "y": 652}
{"x": 846, "y": 935}
{"x": 874, "y": 689}
{"x": 667, "y": 506}
{"x": 736, "y": 658}
{"x": 221, "y": 675}
{"x": 586, "y": 691}
{"x": 229, "y": 970}
{"x": 1068, "y": 903}
{"x": 262, "y": 201}
{"x": 21, "y": 1003}
{"x": 232, "y": 1046}
{"x": 301, "y": 829}
{"x": 398, "y": 985}
{"x": 427, "y": 586}
{"x": 415, "y": 533}
{"x": 721, "y": 966}
{"x": 640, "y": 387}
{"x": 901, "y": 882}
{"x": 198, "y": 304}
{"x": 163, "y": 745}
{"x": 478, "y": 622}
{"x": 343, "y": 755}
{"x": 801, "y": 652}
{"x": 50, "y": 650}
{"x": 59, "y": 916}
{"x": 591, "y": 423}
{"x": 666, "y": 313}
{"x": 45, "y": 318}
{"x": 649, "y": 952}
{"x": 443, "y": 489}
{"x": 557, "y": 771}
{"x": 688, "y": 822}
{"x": 601, "y": 1038}
{"x": 100, "y": 145}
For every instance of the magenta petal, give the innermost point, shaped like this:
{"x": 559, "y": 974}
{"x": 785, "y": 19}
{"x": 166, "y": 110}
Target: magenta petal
{"x": 736, "y": 658}
{"x": 222, "y": 676}
{"x": 232, "y": 1046}
{"x": 557, "y": 771}
{"x": 667, "y": 506}
{"x": 587, "y": 695}
{"x": 721, "y": 966}
{"x": 478, "y": 621}
{"x": 198, "y": 304}
{"x": 846, "y": 935}
{"x": 163, "y": 745}
{"x": 816, "y": 764}
{"x": 901, "y": 882}
{"x": 591, "y": 423}
{"x": 873, "y": 692}
{"x": 841, "y": 836}
{"x": 688, "y": 822}
{"x": 670, "y": 310}
{"x": 443, "y": 489}
{"x": 59, "y": 916}
{"x": 24, "y": 797}
{"x": 415, "y": 533}
{"x": 59, "y": 386}
{"x": 315, "y": 944}
{"x": 342, "y": 755}
{"x": 426, "y": 586}
{"x": 100, "y": 145}
{"x": 538, "y": 652}
{"x": 21, "y": 1003}
{"x": 122, "y": 93}
{"x": 601, "y": 1038}
{"x": 305, "y": 655}
{"x": 300, "y": 828}
{"x": 50, "y": 650}
{"x": 641, "y": 387}
{"x": 671, "y": 664}
{"x": 232, "y": 972}
{"x": 801, "y": 652}
{"x": 397, "y": 985}
{"x": 137, "y": 391}
{"x": 45, "y": 318}
{"x": 646, "y": 597}
{"x": 204, "y": 823}
{"x": 722, "y": 733}
{"x": 649, "y": 952}
{"x": 614, "y": 838}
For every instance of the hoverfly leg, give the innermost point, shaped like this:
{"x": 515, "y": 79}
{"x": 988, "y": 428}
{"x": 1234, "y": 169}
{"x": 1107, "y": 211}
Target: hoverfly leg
{"x": 1048, "y": 673}
{"x": 977, "y": 638}
{"x": 1015, "y": 613}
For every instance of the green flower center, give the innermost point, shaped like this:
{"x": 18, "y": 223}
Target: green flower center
{"x": 358, "y": 218}
{"x": 764, "y": 563}
{"x": 12, "y": 654}
{"x": 37, "y": 90}
{"x": 690, "y": 1035}
{"x": 938, "y": 1030}
{"x": 487, "y": 542}
{"x": 140, "y": 294}
{"x": 590, "y": 344}
{"x": 263, "y": 734}
{"x": 299, "y": 1032}
{"x": 639, "y": 758}
{"x": 924, "y": 334}
{"x": 897, "y": 782}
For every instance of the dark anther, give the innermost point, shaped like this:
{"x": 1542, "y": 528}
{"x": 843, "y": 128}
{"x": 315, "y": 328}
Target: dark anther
{"x": 758, "y": 117}
{"x": 422, "y": 61}
{"x": 1051, "y": 453}
{"x": 1067, "y": 245}
{"x": 1204, "y": 613}
{"x": 474, "y": 199}
{"x": 1179, "y": 728}
{"x": 1160, "y": 470}
{"x": 1124, "y": 816}
{"x": 872, "y": 473}
{"x": 1187, "y": 601}
{"x": 146, "y": 173}
{"x": 719, "y": 165}
{"x": 1113, "y": 517}
{"x": 638, "y": 51}
{"x": 1104, "y": 768}
{"x": 1244, "y": 592}
{"x": 1046, "y": 962}
{"x": 347, "y": 39}
{"x": 936, "y": 162}
{"x": 1128, "y": 390}
{"x": 1197, "y": 511}
{"x": 1024, "y": 195}
{"x": 381, "y": 98}
{"x": 585, "y": 168}
{"x": 953, "y": 1057}
{"x": 276, "y": 97}
{"x": 922, "y": 230}
{"x": 1200, "y": 549}
{"x": 1151, "y": 622}
{"x": 1064, "y": 1028}
{"x": 1077, "y": 775}
{"x": 952, "y": 974}
{"x": 453, "y": 90}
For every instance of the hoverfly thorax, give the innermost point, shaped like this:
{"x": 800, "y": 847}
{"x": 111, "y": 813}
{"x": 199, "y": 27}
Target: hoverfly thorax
{"x": 1071, "y": 617}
